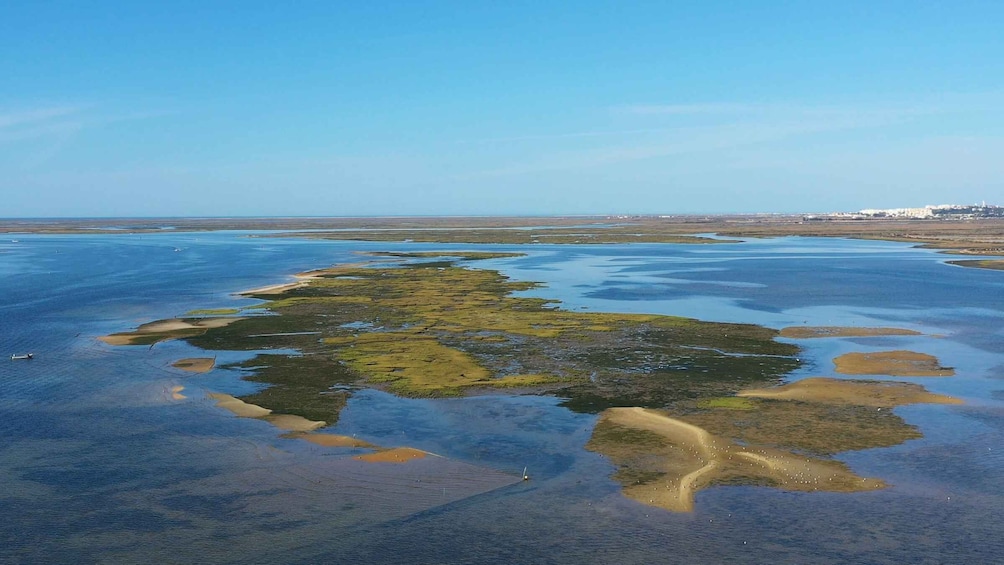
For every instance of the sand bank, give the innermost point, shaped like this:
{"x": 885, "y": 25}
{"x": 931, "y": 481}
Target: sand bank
{"x": 898, "y": 363}
{"x": 238, "y": 407}
{"x": 293, "y": 423}
{"x": 241, "y": 409}
{"x": 394, "y": 455}
{"x": 162, "y": 330}
{"x": 860, "y": 393}
{"x": 176, "y": 393}
{"x": 809, "y": 332}
{"x": 302, "y": 279}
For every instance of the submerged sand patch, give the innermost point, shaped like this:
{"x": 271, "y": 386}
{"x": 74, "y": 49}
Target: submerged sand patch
{"x": 393, "y": 455}
{"x": 855, "y": 392}
{"x": 195, "y": 364}
{"x": 810, "y": 332}
{"x": 238, "y": 407}
{"x": 162, "y": 330}
{"x": 292, "y": 422}
{"x": 899, "y": 363}
{"x": 331, "y": 440}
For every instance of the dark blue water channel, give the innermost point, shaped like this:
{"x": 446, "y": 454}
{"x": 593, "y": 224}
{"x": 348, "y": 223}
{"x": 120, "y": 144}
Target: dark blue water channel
{"x": 99, "y": 463}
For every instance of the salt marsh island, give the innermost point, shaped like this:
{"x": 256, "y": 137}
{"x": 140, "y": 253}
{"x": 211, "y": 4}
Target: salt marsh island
{"x": 683, "y": 404}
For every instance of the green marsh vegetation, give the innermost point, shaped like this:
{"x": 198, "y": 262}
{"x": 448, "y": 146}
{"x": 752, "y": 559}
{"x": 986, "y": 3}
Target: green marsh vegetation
{"x": 431, "y": 325}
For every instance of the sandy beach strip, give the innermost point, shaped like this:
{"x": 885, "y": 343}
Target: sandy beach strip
{"x": 301, "y": 279}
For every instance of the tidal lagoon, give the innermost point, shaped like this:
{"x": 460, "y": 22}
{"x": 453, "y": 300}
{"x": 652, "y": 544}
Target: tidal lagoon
{"x": 164, "y": 451}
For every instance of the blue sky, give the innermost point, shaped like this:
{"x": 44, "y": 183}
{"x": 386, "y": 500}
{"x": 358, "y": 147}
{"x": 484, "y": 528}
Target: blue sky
{"x": 427, "y": 108}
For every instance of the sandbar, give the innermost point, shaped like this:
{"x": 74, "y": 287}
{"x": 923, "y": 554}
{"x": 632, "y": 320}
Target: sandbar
{"x": 241, "y": 409}
{"x": 238, "y": 407}
{"x": 899, "y": 363}
{"x": 302, "y": 279}
{"x": 292, "y": 422}
{"x": 854, "y": 392}
{"x": 162, "y": 330}
{"x": 809, "y": 332}
{"x": 176, "y": 393}
{"x": 195, "y": 364}
{"x": 394, "y": 455}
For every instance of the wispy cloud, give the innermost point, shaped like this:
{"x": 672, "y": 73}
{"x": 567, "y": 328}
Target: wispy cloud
{"x": 20, "y": 118}
{"x": 52, "y": 128}
{"x": 736, "y": 125}
{"x": 570, "y": 135}
{"x": 687, "y": 109}
{"x": 755, "y": 110}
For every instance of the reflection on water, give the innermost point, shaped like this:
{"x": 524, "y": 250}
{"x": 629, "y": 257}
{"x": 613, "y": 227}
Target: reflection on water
{"x": 100, "y": 463}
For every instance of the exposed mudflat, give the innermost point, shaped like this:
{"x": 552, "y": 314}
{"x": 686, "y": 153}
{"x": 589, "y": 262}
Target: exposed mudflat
{"x": 899, "y": 363}
{"x": 810, "y": 332}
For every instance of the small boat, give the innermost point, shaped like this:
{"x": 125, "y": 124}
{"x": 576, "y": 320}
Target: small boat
{"x": 25, "y": 356}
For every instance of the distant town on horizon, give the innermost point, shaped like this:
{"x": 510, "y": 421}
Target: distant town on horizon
{"x": 939, "y": 211}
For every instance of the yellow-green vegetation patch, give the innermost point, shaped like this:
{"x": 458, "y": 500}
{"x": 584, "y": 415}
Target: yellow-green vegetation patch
{"x": 728, "y": 403}
{"x": 819, "y": 428}
{"x": 333, "y": 301}
{"x": 412, "y": 364}
{"x": 519, "y": 381}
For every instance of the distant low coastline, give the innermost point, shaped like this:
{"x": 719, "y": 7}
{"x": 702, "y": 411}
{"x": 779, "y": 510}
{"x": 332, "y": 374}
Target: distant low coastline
{"x": 972, "y": 236}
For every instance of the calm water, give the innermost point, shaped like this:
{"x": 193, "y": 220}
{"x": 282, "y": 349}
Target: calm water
{"x": 99, "y": 464}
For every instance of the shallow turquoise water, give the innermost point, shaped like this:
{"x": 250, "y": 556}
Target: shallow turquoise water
{"x": 99, "y": 464}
